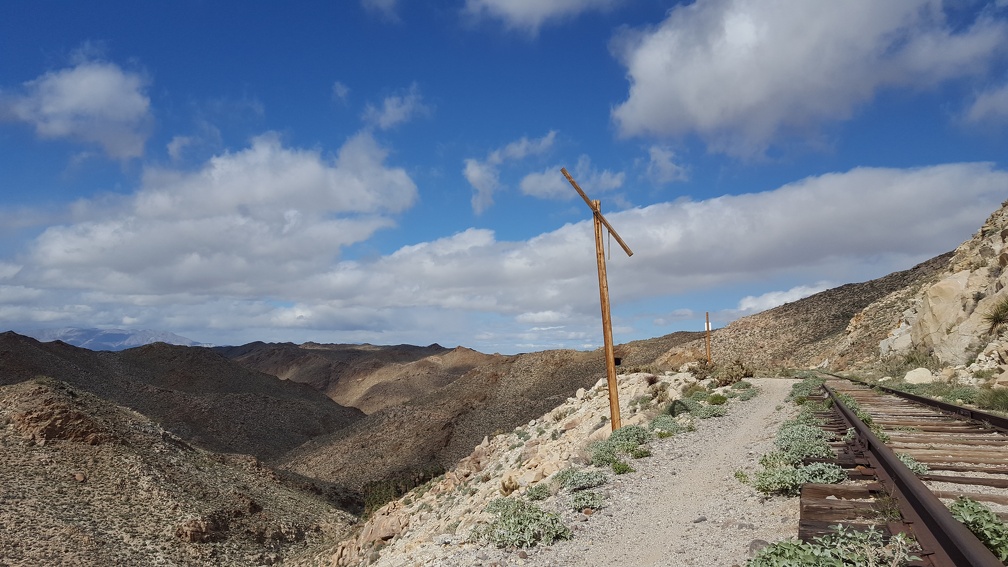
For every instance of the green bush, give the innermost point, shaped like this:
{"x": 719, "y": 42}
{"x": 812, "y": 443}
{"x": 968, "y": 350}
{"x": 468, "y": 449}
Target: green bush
{"x": 538, "y": 492}
{"x": 984, "y": 524}
{"x": 785, "y": 479}
{"x": 518, "y": 523}
{"x": 800, "y": 391}
{"x": 587, "y": 499}
{"x": 915, "y": 466}
{"x": 717, "y": 399}
{"x": 580, "y": 479}
{"x": 843, "y": 546}
{"x": 624, "y": 442}
{"x": 622, "y": 467}
{"x": 997, "y": 317}
{"x": 994, "y": 399}
{"x": 799, "y": 441}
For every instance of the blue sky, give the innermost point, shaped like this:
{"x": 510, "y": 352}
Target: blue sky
{"x": 388, "y": 171}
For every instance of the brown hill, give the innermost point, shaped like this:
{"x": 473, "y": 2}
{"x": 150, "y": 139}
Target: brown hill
{"x": 818, "y": 329}
{"x": 195, "y": 393}
{"x": 366, "y": 377}
{"x": 88, "y": 482}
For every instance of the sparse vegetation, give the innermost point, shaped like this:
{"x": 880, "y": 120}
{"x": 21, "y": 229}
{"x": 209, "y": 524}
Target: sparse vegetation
{"x": 984, "y": 524}
{"x": 843, "y": 546}
{"x": 993, "y": 399}
{"x": 518, "y": 523}
{"x": 579, "y": 479}
{"x": 624, "y": 442}
{"x": 997, "y": 317}
{"x": 587, "y": 499}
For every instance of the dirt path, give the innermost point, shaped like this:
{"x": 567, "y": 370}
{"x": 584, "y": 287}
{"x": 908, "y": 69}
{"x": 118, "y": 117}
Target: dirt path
{"x": 684, "y": 505}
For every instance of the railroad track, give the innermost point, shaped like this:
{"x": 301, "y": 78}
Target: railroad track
{"x": 965, "y": 452}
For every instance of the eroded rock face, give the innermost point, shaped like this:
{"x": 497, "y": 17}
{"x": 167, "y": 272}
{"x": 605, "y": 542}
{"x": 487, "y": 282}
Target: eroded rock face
{"x": 948, "y": 319}
{"x": 48, "y": 414}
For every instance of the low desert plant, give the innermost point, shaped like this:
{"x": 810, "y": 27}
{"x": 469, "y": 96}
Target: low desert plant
{"x": 842, "y": 546}
{"x": 624, "y": 442}
{"x": 540, "y": 491}
{"x": 518, "y": 523}
{"x": 997, "y": 317}
{"x": 717, "y": 399}
{"x": 993, "y": 399}
{"x": 587, "y": 499}
{"x": 579, "y": 479}
{"x": 984, "y": 524}
{"x": 915, "y": 466}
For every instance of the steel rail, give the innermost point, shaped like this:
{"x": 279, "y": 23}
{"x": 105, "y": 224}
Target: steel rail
{"x": 995, "y": 421}
{"x": 948, "y": 542}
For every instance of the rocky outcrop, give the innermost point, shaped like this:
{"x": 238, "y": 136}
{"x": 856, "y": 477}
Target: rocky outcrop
{"x": 948, "y": 318}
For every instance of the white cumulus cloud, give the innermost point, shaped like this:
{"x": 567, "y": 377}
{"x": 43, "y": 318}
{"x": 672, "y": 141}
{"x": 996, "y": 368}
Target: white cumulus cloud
{"x": 397, "y": 109}
{"x": 247, "y": 222}
{"x": 551, "y": 184}
{"x": 484, "y": 175}
{"x": 771, "y": 299}
{"x": 741, "y": 74}
{"x": 93, "y": 102}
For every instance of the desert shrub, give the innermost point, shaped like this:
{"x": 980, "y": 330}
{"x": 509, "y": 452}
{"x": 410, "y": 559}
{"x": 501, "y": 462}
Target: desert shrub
{"x": 799, "y": 441}
{"x": 993, "y": 399}
{"x": 800, "y": 391}
{"x": 580, "y": 479}
{"x": 748, "y": 394}
{"x": 731, "y": 373}
{"x": 778, "y": 477}
{"x": 702, "y": 369}
{"x": 587, "y": 499}
{"x": 518, "y": 523}
{"x": 664, "y": 425}
{"x": 997, "y": 317}
{"x": 843, "y": 546}
{"x": 622, "y": 467}
{"x": 540, "y": 491}
{"x": 913, "y": 464}
{"x": 742, "y": 385}
{"x": 624, "y": 442}
{"x": 703, "y": 411}
{"x": 717, "y": 399}
{"x": 691, "y": 390}
{"x": 984, "y": 524}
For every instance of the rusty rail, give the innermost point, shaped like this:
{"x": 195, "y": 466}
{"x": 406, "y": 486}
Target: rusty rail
{"x": 945, "y": 541}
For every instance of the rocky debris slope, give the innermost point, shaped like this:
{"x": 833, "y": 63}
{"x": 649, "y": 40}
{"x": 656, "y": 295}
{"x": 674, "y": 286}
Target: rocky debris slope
{"x": 87, "y": 482}
{"x": 196, "y": 394}
{"x": 431, "y": 524}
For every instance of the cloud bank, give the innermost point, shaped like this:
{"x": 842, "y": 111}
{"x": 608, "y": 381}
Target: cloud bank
{"x": 248, "y": 246}
{"x": 742, "y": 74}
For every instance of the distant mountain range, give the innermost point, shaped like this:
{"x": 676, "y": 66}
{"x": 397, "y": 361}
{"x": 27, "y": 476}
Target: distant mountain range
{"x": 110, "y": 339}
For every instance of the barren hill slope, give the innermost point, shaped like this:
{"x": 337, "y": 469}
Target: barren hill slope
{"x": 88, "y": 482}
{"x": 815, "y": 330}
{"x": 366, "y": 377}
{"x": 193, "y": 392}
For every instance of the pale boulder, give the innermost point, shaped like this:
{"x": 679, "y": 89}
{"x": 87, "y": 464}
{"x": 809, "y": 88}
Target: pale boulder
{"x": 919, "y": 376}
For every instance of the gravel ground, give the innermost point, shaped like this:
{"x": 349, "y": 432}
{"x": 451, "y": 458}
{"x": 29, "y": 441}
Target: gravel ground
{"x": 682, "y": 506}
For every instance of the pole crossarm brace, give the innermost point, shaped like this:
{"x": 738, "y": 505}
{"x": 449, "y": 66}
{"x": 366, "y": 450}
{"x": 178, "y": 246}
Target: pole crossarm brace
{"x": 597, "y": 210}
{"x": 610, "y": 357}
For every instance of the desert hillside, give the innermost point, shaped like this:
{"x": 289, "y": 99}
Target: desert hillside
{"x": 366, "y": 377}
{"x": 191, "y": 391}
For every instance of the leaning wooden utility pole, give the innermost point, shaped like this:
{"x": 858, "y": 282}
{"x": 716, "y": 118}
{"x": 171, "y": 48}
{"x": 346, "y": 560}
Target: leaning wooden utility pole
{"x": 610, "y": 356}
